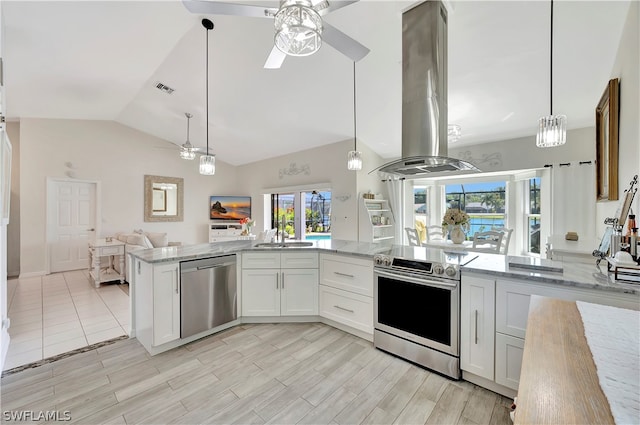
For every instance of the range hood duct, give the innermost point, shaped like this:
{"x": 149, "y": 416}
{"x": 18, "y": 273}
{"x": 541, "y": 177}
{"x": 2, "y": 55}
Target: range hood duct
{"x": 424, "y": 97}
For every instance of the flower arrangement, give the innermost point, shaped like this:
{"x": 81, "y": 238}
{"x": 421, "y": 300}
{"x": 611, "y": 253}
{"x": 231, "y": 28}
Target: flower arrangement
{"x": 455, "y": 216}
{"x": 248, "y": 223}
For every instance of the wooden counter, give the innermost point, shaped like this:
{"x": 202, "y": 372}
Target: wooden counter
{"x": 558, "y": 380}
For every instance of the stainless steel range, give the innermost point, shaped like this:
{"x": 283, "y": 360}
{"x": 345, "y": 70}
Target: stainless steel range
{"x": 417, "y": 304}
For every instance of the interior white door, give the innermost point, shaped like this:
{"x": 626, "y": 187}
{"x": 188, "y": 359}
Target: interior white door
{"x": 72, "y": 223}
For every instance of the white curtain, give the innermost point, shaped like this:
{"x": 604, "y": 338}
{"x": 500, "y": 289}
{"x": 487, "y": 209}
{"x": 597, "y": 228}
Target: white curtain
{"x": 396, "y": 189}
{"x": 573, "y": 197}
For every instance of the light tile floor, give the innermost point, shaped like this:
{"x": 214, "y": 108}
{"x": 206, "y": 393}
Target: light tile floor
{"x": 60, "y": 312}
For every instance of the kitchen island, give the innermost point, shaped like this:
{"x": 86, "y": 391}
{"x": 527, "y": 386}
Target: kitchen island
{"x": 559, "y": 381}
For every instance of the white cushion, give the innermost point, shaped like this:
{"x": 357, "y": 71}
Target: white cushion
{"x": 137, "y": 239}
{"x": 158, "y": 240}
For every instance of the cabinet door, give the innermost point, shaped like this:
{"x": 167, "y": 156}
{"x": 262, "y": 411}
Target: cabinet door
{"x": 353, "y": 310}
{"x": 347, "y": 273}
{"x": 477, "y": 327}
{"x": 299, "y": 292}
{"x": 166, "y": 303}
{"x": 509, "y": 352}
{"x": 512, "y": 307}
{"x": 261, "y": 292}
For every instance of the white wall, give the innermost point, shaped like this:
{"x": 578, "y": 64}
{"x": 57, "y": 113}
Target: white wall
{"x": 627, "y": 68}
{"x": 13, "y": 229}
{"x": 118, "y": 157}
{"x": 326, "y": 164}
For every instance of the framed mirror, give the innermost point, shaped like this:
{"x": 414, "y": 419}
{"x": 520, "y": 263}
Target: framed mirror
{"x": 163, "y": 198}
{"x": 607, "y": 143}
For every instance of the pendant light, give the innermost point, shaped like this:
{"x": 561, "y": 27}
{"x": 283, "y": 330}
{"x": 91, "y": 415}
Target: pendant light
{"x": 188, "y": 151}
{"x": 552, "y": 129}
{"x": 354, "y": 160}
{"x": 207, "y": 162}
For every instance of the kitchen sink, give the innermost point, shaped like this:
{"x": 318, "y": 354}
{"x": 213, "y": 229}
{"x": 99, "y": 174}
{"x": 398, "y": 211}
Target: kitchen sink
{"x": 296, "y": 244}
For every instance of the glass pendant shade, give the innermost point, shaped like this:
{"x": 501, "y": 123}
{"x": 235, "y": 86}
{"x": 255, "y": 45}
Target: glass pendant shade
{"x": 354, "y": 161}
{"x": 208, "y": 165}
{"x": 552, "y": 131}
{"x": 187, "y": 154}
{"x": 298, "y": 28}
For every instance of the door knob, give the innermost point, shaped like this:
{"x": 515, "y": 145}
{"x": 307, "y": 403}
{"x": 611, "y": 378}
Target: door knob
{"x": 90, "y": 230}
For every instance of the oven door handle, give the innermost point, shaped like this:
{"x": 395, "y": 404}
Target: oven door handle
{"x": 425, "y": 282}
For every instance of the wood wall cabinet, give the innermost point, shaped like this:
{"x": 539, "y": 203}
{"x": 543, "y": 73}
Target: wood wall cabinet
{"x": 376, "y": 221}
{"x": 279, "y": 284}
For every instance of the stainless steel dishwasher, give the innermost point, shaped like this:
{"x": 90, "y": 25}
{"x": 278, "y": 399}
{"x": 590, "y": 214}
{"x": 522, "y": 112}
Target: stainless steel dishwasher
{"x": 208, "y": 296}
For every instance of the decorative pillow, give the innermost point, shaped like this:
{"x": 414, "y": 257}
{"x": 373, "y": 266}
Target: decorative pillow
{"x": 122, "y": 237}
{"x": 137, "y": 239}
{"x": 158, "y": 240}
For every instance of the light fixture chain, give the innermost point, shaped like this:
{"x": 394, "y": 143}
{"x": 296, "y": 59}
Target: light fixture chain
{"x": 551, "y": 65}
{"x": 206, "y": 77}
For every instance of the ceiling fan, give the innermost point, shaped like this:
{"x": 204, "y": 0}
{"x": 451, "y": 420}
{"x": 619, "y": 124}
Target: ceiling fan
{"x": 299, "y": 27}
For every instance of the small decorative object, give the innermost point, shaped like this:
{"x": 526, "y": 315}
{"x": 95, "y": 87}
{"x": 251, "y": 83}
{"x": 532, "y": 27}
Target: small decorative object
{"x": 247, "y": 223}
{"x": 368, "y": 195}
{"x": 109, "y": 239}
{"x": 571, "y": 236}
{"x": 457, "y": 224}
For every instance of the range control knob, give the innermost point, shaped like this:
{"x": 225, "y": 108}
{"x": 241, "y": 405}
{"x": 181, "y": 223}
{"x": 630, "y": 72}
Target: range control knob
{"x": 438, "y": 269}
{"x": 387, "y": 261}
{"x": 377, "y": 260}
{"x": 450, "y": 271}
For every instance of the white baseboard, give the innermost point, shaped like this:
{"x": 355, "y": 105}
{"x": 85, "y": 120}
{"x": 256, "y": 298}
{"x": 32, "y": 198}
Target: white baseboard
{"x": 33, "y": 274}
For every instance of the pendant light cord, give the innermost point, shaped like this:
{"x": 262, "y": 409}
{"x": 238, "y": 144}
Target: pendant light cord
{"x": 206, "y": 77}
{"x": 551, "y": 65}
{"x": 354, "y": 108}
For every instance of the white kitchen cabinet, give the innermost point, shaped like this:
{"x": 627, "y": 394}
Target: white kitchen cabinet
{"x": 166, "y": 303}
{"x": 280, "y": 284}
{"x": 157, "y": 309}
{"x": 477, "y": 327}
{"x": 509, "y": 351}
{"x": 346, "y": 293}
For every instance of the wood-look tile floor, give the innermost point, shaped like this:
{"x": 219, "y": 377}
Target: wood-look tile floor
{"x": 251, "y": 374}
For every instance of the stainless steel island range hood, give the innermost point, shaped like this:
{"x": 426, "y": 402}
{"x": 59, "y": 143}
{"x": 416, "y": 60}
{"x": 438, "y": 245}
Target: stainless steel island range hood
{"x": 424, "y": 97}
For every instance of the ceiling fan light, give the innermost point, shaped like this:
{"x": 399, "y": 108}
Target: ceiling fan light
{"x": 354, "y": 161}
{"x": 208, "y": 165}
{"x": 188, "y": 154}
{"x": 298, "y": 28}
{"x": 552, "y": 131}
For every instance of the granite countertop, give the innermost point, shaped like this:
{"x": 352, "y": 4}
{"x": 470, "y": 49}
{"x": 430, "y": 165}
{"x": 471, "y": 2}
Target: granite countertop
{"x": 523, "y": 268}
{"x": 581, "y": 275}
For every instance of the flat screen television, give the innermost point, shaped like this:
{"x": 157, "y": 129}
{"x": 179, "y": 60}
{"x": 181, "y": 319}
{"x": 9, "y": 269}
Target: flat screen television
{"x": 231, "y": 208}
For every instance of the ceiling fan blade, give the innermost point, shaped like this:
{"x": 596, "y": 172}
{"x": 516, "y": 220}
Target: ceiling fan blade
{"x": 275, "y": 59}
{"x": 324, "y": 6}
{"x": 343, "y": 43}
{"x": 218, "y": 8}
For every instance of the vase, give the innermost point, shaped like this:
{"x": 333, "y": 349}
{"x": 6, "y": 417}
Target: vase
{"x": 457, "y": 234}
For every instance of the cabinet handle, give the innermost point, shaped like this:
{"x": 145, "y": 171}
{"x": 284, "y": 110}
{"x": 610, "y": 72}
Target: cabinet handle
{"x": 177, "y": 283}
{"x": 475, "y": 326}
{"x": 277, "y": 280}
{"x": 138, "y": 262}
{"x": 344, "y": 309}
{"x": 282, "y": 280}
{"x": 344, "y": 274}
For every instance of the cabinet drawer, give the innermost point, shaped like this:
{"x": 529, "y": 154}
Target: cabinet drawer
{"x": 261, "y": 260}
{"x": 509, "y": 351}
{"x": 347, "y": 308}
{"x": 299, "y": 260}
{"x": 111, "y": 250}
{"x": 350, "y": 274}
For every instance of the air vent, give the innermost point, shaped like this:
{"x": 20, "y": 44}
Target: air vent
{"x": 164, "y": 88}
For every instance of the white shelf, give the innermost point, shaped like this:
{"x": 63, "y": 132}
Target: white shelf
{"x": 378, "y": 208}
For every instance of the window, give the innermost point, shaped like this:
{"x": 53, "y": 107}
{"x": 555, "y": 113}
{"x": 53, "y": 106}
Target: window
{"x": 532, "y": 214}
{"x": 421, "y": 213}
{"x": 307, "y": 215}
{"x": 484, "y": 202}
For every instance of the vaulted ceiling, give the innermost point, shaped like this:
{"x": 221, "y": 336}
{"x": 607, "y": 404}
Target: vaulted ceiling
{"x": 101, "y": 60}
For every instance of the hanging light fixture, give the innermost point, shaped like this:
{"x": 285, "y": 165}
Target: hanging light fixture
{"x": 207, "y": 162}
{"x": 552, "y": 129}
{"x": 188, "y": 151}
{"x": 354, "y": 160}
{"x": 298, "y": 28}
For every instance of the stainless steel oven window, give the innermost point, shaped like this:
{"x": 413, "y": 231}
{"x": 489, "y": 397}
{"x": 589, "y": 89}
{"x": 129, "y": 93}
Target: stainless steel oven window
{"x": 420, "y": 310}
